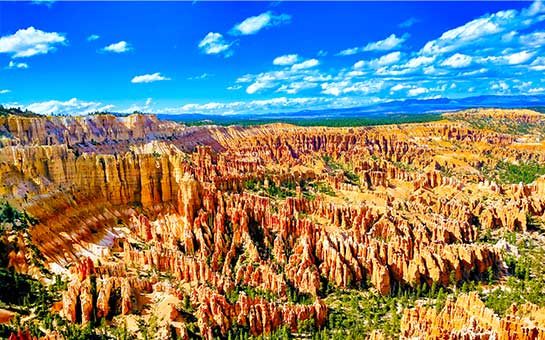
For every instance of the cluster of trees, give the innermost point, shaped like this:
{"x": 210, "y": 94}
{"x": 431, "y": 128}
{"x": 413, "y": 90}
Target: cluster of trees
{"x": 322, "y": 121}
{"x": 4, "y": 111}
{"x": 526, "y": 279}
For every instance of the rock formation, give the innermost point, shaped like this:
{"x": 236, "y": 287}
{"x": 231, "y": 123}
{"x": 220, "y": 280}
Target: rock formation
{"x": 246, "y": 221}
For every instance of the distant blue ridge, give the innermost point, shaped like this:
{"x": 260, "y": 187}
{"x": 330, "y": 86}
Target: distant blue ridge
{"x": 379, "y": 110}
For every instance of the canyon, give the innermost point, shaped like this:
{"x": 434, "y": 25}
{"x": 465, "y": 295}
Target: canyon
{"x": 211, "y": 231}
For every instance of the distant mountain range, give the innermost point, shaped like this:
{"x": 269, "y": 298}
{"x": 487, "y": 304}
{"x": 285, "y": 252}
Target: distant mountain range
{"x": 380, "y": 110}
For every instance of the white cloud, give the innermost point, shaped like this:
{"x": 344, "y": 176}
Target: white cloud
{"x": 296, "y": 87}
{"x": 417, "y": 91}
{"x": 534, "y": 39}
{"x": 214, "y": 43}
{"x": 148, "y": 78}
{"x": 201, "y": 76}
{"x": 346, "y": 86}
{"x": 537, "y": 90}
{"x": 13, "y": 65}
{"x": 288, "y": 59}
{"x": 245, "y": 78}
{"x": 419, "y": 61}
{"x": 457, "y": 61}
{"x": 350, "y": 51}
{"x": 252, "y": 25}
{"x": 486, "y": 30}
{"x": 5, "y": 91}
{"x": 538, "y": 64}
{"x": 287, "y": 79}
{"x": 474, "y": 72}
{"x": 72, "y": 107}
{"x": 263, "y": 82}
{"x": 234, "y": 87}
{"x": 261, "y": 106}
{"x": 29, "y": 42}
{"x": 387, "y": 44}
{"x": 148, "y": 101}
{"x": 398, "y": 87}
{"x": 500, "y": 85}
{"x": 305, "y": 64}
{"x": 118, "y": 47}
{"x": 519, "y": 58}
{"x": 388, "y": 59}
{"x": 93, "y": 37}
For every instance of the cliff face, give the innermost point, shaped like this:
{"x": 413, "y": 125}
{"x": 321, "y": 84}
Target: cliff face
{"x": 248, "y": 222}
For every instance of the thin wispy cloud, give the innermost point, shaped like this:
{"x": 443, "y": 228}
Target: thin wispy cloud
{"x": 253, "y": 25}
{"x": 93, "y": 37}
{"x": 390, "y": 43}
{"x": 201, "y": 76}
{"x": 149, "y": 78}
{"x": 409, "y": 22}
{"x": 47, "y": 3}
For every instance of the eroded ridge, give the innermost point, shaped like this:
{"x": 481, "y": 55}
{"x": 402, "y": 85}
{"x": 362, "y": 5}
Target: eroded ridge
{"x": 211, "y": 231}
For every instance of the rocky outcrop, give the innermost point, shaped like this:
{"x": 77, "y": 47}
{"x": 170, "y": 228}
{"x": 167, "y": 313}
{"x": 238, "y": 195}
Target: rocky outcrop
{"x": 245, "y": 220}
{"x": 468, "y": 318}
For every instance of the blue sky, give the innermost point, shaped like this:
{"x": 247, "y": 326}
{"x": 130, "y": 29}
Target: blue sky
{"x": 259, "y": 57}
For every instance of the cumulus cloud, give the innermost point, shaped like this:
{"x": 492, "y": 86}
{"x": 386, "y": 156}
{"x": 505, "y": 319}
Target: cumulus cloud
{"x": 148, "y": 78}
{"x": 388, "y": 59}
{"x": 305, "y": 64}
{"x": 501, "y": 86}
{"x": 457, "y": 61}
{"x": 13, "y": 65}
{"x": 253, "y": 25}
{"x": 387, "y": 44}
{"x": 214, "y": 43}
{"x": 71, "y": 107}
{"x": 289, "y": 79}
{"x": 288, "y": 59}
{"x": 347, "y": 86}
{"x": 398, "y": 87}
{"x": 490, "y": 28}
{"x": 29, "y": 42}
{"x": 5, "y": 91}
{"x": 417, "y": 91}
{"x": 519, "y": 57}
{"x": 118, "y": 47}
